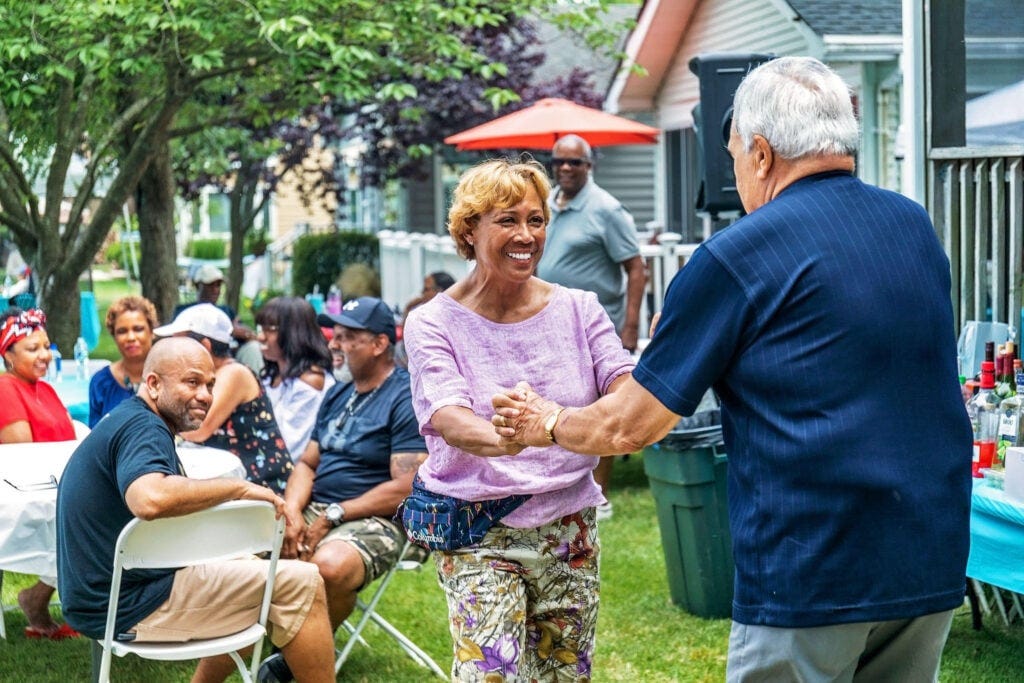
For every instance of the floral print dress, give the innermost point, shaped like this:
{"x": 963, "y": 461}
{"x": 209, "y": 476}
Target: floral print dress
{"x": 251, "y": 433}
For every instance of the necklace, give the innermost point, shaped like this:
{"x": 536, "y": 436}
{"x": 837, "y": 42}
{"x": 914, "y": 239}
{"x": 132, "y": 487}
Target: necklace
{"x": 352, "y": 407}
{"x": 130, "y": 385}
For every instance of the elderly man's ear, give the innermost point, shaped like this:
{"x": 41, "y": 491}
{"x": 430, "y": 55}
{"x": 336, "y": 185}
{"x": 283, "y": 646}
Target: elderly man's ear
{"x": 763, "y": 156}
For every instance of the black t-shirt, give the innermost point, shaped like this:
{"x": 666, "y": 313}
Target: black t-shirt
{"x": 357, "y": 456}
{"x": 91, "y": 512}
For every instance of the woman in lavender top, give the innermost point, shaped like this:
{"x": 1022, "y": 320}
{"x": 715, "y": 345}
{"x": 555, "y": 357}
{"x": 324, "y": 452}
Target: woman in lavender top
{"x": 522, "y": 603}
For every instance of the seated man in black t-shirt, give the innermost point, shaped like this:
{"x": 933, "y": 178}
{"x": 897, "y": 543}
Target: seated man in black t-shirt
{"x": 359, "y": 463}
{"x": 127, "y": 467}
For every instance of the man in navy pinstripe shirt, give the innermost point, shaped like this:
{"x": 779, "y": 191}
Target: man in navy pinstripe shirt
{"x": 823, "y": 321}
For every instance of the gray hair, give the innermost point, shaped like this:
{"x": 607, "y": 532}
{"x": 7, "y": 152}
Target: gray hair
{"x": 799, "y": 105}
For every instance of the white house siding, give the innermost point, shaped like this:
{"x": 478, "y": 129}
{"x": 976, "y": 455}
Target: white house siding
{"x": 724, "y": 26}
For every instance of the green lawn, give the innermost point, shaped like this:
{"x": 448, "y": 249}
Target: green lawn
{"x": 106, "y": 291}
{"x": 641, "y": 635}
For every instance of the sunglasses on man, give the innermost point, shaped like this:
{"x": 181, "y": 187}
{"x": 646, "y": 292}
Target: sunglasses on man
{"x": 575, "y": 163}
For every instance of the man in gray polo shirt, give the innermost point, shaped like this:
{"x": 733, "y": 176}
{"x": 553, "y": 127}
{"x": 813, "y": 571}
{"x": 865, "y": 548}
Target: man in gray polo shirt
{"x": 591, "y": 245}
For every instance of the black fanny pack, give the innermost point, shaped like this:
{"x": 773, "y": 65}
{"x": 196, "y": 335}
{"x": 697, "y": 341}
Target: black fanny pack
{"x": 439, "y": 522}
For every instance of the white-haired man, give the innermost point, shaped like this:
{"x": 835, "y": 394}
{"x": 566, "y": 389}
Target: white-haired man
{"x": 823, "y": 321}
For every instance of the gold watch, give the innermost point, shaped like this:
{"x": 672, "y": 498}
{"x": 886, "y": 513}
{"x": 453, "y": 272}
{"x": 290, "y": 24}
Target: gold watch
{"x": 549, "y": 424}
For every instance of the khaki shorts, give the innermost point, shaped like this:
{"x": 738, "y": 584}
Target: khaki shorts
{"x": 221, "y": 598}
{"x": 377, "y": 540}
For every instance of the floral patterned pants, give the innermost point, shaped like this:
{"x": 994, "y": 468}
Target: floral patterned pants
{"x": 522, "y": 604}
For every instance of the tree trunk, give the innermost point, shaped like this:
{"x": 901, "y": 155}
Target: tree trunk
{"x": 239, "y": 227}
{"x": 63, "y": 312}
{"x": 243, "y": 211}
{"x": 154, "y": 196}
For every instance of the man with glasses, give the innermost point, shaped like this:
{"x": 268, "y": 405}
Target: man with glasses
{"x": 358, "y": 466}
{"x": 591, "y": 244}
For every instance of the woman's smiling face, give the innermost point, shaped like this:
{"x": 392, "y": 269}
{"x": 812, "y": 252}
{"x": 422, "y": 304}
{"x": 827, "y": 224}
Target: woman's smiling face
{"x": 508, "y": 242}
{"x": 29, "y": 357}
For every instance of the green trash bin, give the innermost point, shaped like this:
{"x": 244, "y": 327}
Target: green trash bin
{"x": 687, "y": 475}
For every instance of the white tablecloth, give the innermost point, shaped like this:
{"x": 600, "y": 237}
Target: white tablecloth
{"x": 29, "y": 474}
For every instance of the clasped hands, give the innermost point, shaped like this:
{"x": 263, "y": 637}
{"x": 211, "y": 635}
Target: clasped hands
{"x": 301, "y": 539}
{"x": 519, "y": 415}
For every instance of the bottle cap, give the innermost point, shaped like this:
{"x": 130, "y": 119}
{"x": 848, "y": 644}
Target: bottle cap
{"x": 988, "y": 374}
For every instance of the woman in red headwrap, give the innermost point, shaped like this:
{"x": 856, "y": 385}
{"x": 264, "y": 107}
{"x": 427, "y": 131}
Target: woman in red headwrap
{"x": 32, "y": 412}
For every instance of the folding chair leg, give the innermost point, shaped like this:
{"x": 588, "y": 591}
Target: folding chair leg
{"x": 369, "y": 613}
{"x": 411, "y": 648}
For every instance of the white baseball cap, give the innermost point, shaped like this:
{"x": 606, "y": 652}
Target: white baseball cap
{"x": 204, "y": 319}
{"x": 208, "y": 274}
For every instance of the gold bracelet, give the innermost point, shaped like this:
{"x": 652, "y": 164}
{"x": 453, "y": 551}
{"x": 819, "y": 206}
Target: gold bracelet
{"x": 549, "y": 425}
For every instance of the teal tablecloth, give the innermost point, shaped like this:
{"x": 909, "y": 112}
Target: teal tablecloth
{"x": 997, "y": 538}
{"x": 73, "y": 392}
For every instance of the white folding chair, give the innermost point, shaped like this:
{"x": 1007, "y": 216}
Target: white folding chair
{"x": 369, "y": 613}
{"x": 234, "y": 529}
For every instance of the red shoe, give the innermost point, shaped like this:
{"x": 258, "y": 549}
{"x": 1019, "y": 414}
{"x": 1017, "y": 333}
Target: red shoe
{"x": 62, "y": 633}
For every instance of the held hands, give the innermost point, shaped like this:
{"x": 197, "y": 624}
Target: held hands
{"x": 294, "y": 534}
{"x": 519, "y": 416}
{"x": 312, "y": 536}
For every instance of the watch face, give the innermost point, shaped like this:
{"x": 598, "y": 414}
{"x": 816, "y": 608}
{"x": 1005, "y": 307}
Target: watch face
{"x": 334, "y": 513}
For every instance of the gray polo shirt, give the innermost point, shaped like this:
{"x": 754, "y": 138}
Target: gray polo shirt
{"x": 587, "y": 242}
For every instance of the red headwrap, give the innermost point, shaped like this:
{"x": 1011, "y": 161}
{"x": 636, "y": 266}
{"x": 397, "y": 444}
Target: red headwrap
{"x": 17, "y": 327}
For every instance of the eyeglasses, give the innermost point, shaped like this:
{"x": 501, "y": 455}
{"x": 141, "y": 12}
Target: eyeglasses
{"x": 575, "y": 163}
{"x": 261, "y": 329}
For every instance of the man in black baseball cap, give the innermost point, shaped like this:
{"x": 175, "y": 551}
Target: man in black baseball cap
{"x": 359, "y": 465}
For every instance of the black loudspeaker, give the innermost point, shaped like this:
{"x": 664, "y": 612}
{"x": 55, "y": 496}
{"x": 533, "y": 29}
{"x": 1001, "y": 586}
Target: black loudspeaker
{"x": 719, "y": 74}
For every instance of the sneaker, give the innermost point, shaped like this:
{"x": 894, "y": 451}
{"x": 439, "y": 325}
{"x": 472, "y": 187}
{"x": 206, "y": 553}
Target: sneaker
{"x": 604, "y": 511}
{"x": 274, "y": 670}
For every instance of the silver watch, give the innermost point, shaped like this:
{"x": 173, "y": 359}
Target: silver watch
{"x": 335, "y": 514}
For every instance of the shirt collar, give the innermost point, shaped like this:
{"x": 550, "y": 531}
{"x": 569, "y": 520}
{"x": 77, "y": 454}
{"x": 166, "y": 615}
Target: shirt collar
{"x": 576, "y": 203}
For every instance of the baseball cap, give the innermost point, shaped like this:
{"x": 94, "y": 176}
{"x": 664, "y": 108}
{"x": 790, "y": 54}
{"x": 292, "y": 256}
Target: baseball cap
{"x": 208, "y": 274}
{"x": 204, "y": 319}
{"x": 364, "y": 313}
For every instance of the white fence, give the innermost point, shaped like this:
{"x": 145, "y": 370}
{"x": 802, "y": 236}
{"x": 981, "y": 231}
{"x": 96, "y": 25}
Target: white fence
{"x": 406, "y": 258}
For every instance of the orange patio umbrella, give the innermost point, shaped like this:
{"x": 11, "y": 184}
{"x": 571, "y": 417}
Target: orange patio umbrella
{"x": 542, "y": 123}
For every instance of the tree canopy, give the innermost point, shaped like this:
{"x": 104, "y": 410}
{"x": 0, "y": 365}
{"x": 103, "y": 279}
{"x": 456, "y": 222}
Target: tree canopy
{"x": 108, "y": 81}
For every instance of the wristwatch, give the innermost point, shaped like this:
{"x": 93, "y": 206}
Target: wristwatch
{"x": 549, "y": 424}
{"x": 335, "y": 514}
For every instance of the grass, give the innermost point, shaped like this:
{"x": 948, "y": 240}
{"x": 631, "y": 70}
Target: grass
{"x": 106, "y": 292}
{"x": 642, "y": 636}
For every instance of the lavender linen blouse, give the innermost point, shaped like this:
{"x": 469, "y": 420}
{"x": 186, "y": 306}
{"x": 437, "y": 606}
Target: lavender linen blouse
{"x": 569, "y": 352}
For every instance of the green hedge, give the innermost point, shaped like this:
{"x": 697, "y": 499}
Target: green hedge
{"x": 208, "y": 249}
{"x": 319, "y": 259}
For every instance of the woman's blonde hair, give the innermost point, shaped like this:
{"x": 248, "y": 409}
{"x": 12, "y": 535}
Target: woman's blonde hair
{"x": 493, "y": 184}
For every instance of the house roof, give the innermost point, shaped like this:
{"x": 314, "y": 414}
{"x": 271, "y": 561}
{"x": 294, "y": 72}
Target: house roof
{"x": 985, "y": 18}
{"x": 827, "y": 17}
{"x": 864, "y": 30}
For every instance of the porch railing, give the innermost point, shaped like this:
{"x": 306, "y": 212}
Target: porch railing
{"x": 976, "y": 200}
